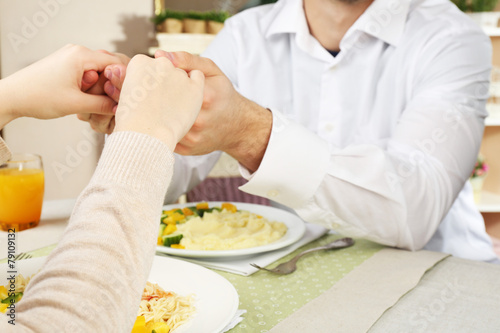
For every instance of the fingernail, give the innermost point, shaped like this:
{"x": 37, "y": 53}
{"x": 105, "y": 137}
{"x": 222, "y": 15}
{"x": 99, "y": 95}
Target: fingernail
{"x": 170, "y": 56}
{"x": 117, "y": 71}
{"x": 108, "y": 73}
{"x": 86, "y": 80}
{"x": 160, "y": 53}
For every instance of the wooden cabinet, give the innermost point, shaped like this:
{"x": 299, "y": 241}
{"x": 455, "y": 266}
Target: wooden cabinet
{"x": 489, "y": 204}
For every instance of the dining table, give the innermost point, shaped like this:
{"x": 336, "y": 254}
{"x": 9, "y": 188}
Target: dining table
{"x": 366, "y": 287}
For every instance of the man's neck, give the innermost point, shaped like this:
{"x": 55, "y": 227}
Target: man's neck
{"x": 329, "y": 20}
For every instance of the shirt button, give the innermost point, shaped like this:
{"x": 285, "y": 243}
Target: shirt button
{"x": 329, "y": 127}
{"x": 272, "y": 194}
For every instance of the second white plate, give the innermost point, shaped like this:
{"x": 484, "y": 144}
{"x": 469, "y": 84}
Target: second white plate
{"x": 295, "y": 225}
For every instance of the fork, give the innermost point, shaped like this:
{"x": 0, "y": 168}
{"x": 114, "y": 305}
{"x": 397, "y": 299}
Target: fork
{"x": 291, "y": 265}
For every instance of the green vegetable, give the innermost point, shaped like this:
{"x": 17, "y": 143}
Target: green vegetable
{"x": 194, "y": 210}
{"x": 162, "y": 228}
{"x": 171, "y": 239}
{"x": 16, "y": 297}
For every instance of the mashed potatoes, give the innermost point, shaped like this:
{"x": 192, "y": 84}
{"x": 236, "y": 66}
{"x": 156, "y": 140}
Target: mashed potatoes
{"x": 229, "y": 231}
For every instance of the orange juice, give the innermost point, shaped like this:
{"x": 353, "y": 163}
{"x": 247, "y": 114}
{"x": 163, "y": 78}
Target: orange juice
{"x": 21, "y": 198}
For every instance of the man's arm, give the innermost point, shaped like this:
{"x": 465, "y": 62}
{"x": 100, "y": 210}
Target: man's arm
{"x": 396, "y": 192}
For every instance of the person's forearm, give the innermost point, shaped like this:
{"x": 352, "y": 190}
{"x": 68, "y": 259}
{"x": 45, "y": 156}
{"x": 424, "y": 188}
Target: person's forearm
{"x": 251, "y": 140}
{"x": 6, "y": 102}
{"x": 104, "y": 258}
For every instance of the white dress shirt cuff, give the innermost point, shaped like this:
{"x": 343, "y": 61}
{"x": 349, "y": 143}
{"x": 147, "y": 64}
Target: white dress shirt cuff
{"x": 293, "y": 166}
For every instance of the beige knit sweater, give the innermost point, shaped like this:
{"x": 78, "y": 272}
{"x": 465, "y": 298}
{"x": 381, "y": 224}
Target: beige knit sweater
{"x": 93, "y": 280}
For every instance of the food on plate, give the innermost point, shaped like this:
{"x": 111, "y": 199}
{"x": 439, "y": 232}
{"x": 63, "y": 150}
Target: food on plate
{"x": 161, "y": 311}
{"x": 202, "y": 227}
{"x": 13, "y": 293}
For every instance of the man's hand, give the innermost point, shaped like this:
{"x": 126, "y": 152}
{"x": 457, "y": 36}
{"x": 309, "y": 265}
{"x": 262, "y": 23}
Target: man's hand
{"x": 228, "y": 121}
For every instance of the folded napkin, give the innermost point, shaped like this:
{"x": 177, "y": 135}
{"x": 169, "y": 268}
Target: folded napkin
{"x": 235, "y": 321}
{"x": 241, "y": 265}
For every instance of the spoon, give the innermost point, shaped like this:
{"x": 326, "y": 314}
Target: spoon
{"x": 290, "y": 266}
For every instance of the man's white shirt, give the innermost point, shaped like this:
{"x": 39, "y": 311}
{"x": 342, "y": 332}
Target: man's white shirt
{"x": 376, "y": 142}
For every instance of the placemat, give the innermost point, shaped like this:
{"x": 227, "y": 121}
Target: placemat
{"x": 355, "y": 303}
{"x": 270, "y": 298}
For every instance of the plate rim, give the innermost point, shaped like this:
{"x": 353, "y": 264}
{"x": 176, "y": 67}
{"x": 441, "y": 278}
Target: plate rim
{"x": 238, "y": 252}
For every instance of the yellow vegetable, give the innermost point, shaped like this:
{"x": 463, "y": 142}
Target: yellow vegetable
{"x": 140, "y": 325}
{"x": 168, "y": 220}
{"x": 159, "y": 241}
{"x": 170, "y": 228}
{"x": 3, "y": 307}
{"x": 229, "y": 207}
{"x": 178, "y": 216}
{"x": 3, "y": 293}
{"x": 161, "y": 327}
{"x": 149, "y": 326}
{"x": 187, "y": 211}
{"x": 174, "y": 218}
{"x": 177, "y": 246}
{"x": 202, "y": 205}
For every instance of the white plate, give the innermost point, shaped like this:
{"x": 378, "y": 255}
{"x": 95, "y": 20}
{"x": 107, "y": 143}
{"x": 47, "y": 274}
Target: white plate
{"x": 211, "y": 291}
{"x": 216, "y": 299}
{"x": 295, "y": 225}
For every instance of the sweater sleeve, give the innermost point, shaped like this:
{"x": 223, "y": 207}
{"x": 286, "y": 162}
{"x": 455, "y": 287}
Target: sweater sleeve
{"x": 93, "y": 280}
{"x": 4, "y": 152}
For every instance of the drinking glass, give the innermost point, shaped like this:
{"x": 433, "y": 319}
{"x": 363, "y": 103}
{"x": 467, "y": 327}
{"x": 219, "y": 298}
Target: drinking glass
{"x": 21, "y": 192}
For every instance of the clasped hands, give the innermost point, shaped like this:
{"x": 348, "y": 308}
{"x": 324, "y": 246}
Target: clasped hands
{"x": 227, "y": 121}
{"x": 184, "y": 100}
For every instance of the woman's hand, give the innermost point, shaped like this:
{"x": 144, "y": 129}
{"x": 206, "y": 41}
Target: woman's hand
{"x": 55, "y": 86}
{"x": 159, "y": 100}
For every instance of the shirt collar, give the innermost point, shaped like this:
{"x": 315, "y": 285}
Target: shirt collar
{"x": 286, "y": 16}
{"x": 384, "y": 19}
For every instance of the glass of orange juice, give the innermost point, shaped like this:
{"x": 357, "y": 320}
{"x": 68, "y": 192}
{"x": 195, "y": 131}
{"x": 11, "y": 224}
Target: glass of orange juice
{"x": 21, "y": 192}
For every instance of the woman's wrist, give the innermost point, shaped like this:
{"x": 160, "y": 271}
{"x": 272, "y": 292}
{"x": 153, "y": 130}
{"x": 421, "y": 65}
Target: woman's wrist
{"x": 7, "y": 110}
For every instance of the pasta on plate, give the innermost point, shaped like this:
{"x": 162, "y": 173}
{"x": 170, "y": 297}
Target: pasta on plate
{"x": 7, "y": 293}
{"x": 162, "y": 311}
